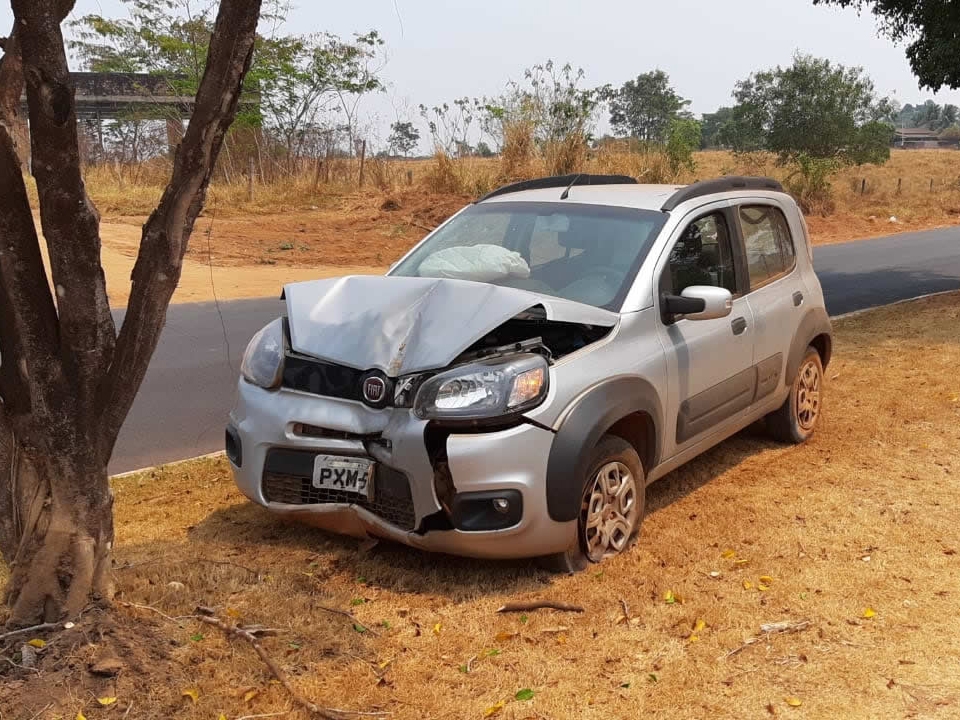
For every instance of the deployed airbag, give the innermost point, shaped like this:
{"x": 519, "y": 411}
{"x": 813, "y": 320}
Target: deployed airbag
{"x": 479, "y": 263}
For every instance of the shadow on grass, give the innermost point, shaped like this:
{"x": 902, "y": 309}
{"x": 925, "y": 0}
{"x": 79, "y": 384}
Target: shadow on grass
{"x": 249, "y": 528}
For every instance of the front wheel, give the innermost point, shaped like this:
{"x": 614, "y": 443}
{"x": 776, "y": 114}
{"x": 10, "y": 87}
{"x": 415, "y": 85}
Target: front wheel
{"x": 611, "y": 507}
{"x": 797, "y": 418}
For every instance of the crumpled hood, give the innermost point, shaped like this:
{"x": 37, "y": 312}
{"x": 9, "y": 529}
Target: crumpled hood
{"x": 404, "y": 325}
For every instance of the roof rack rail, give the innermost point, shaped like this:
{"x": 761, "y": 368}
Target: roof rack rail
{"x": 721, "y": 184}
{"x": 560, "y": 181}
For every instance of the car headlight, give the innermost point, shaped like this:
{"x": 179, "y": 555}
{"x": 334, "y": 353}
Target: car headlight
{"x": 263, "y": 361}
{"x": 484, "y": 389}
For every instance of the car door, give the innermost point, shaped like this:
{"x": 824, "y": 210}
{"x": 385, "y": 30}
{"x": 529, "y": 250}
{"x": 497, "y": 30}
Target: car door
{"x": 710, "y": 371}
{"x": 776, "y": 290}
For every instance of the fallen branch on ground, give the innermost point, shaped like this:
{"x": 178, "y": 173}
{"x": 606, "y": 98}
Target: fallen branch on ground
{"x": 784, "y": 626}
{"x": 32, "y": 628}
{"x": 252, "y": 636}
{"x": 415, "y": 224}
{"x": 539, "y": 605}
{"x": 774, "y": 628}
{"x": 350, "y": 615}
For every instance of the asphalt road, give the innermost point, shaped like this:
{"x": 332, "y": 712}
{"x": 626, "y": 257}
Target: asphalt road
{"x": 191, "y": 384}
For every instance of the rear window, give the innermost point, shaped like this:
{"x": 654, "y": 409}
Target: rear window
{"x": 767, "y": 242}
{"x": 585, "y": 253}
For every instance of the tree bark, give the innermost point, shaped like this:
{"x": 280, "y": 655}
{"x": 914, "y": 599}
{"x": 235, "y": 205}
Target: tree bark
{"x": 67, "y": 380}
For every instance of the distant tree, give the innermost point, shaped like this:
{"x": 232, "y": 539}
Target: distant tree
{"x": 951, "y": 133}
{"x": 812, "y": 108}
{"x": 949, "y": 116}
{"x": 483, "y": 150}
{"x": 683, "y": 138}
{"x": 645, "y": 107}
{"x": 931, "y": 29}
{"x": 404, "y": 137}
{"x": 710, "y": 126}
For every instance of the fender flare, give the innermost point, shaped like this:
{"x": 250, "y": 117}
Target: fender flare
{"x": 816, "y": 322}
{"x": 587, "y": 419}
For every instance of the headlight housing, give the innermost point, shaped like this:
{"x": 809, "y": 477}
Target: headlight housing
{"x": 263, "y": 361}
{"x": 485, "y": 389}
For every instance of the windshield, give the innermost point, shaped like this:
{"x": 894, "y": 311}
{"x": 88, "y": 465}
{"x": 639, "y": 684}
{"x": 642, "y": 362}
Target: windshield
{"x": 586, "y": 253}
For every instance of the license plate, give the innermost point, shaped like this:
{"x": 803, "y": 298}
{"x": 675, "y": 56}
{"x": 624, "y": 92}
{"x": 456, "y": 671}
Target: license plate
{"x": 352, "y": 475}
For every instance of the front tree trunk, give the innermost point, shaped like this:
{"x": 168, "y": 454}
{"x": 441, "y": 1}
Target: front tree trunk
{"x": 56, "y": 532}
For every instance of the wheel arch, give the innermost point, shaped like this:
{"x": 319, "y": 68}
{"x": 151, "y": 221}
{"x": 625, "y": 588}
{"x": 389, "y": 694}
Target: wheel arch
{"x": 628, "y": 407}
{"x": 814, "y": 329}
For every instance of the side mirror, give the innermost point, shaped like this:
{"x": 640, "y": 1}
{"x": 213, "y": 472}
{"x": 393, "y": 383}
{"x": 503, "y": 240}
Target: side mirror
{"x": 698, "y": 302}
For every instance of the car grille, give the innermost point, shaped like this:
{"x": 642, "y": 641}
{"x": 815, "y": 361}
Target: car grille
{"x": 321, "y": 378}
{"x": 288, "y": 479}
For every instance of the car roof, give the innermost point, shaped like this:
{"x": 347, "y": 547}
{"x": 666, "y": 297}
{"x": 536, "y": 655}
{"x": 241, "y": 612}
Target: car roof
{"x": 642, "y": 197}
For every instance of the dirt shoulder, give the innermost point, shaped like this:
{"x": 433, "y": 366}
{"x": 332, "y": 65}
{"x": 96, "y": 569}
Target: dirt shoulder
{"x": 851, "y": 538}
{"x": 254, "y": 255}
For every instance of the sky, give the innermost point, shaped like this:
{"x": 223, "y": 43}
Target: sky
{"x": 441, "y": 50}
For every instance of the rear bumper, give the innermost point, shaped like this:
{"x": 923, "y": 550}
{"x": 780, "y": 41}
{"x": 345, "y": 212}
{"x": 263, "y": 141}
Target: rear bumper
{"x": 510, "y": 462}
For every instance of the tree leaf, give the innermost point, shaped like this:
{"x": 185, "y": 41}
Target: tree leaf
{"x": 762, "y": 588}
{"x": 523, "y": 619}
{"x": 728, "y": 554}
{"x": 491, "y": 652}
{"x": 105, "y": 701}
{"x": 504, "y": 636}
{"x": 359, "y": 628}
{"x": 37, "y": 643}
{"x": 437, "y": 628}
{"x": 793, "y": 701}
{"x": 191, "y": 693}
{"x": 651, "y": 677}
{"x": 699, "y": 625}
{"x": 869, "y": 613}
{"x": 80, "y": 715}
{"x": 494, "y": 709}
{"x": 766, "y": 579}
{"x": 669, "y": 597}
{"x": 197, "y": 637}
{"x": 524, "y": 694}
{"x": 250, "y": 694}
{"x": 747, "y": 585}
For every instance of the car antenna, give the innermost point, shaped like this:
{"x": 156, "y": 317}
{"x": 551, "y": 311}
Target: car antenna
{"x": 566, "y": 193}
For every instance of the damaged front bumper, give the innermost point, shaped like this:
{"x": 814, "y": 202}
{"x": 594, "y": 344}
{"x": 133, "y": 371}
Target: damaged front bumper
{"x": 478, "y": 494}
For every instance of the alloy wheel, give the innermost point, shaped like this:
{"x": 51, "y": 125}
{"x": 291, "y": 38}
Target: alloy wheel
{"x": 808, "y": 395}
{"x": 609, "y": 511}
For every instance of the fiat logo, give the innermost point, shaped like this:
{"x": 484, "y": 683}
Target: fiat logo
{"x": 374, "y": 390}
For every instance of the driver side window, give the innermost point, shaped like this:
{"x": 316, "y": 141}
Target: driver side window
{"x": 703, "y": 255}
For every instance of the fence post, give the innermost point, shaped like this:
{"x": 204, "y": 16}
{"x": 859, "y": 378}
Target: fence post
{"x": 863, "y": 186}
{"x": 363, "y": 157}
{"x": 931, "y": 184}
{"x": 250, "y": 171}
{"x": 316, "y": 176}
{"x": 409, "y": 177}
{"x": 899, "y": 184}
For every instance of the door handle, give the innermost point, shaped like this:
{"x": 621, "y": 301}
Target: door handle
{"x": 739, "y": 325}
{"x": 798, "y": 298}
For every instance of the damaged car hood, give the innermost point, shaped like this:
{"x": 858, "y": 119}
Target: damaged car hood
{"x": 403, "y": 325}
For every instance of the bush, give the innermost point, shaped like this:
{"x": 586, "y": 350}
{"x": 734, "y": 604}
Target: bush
{"x": 809, "y": 183}
{"x": 683, "y": 138}
{"x": 566, "y": 155}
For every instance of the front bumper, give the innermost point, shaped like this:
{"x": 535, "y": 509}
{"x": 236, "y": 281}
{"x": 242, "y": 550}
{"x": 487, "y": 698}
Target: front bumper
{"x": 268, "y": 424}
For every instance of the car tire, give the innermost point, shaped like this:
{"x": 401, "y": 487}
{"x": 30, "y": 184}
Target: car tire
{"x": 614, "y": 492}
{"x": 795, "y": 420}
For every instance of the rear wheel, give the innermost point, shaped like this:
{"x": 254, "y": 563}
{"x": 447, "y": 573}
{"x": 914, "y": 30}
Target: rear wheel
{"x": 797, "y": 418}
{"x": 611, "y": 507}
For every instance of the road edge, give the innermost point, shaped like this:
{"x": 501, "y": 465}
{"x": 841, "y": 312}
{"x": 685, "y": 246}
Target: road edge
{"x": 854, "y": 313}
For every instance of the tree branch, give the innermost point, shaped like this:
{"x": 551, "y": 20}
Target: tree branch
{"x": 167, "y": 231}
{"x": 71, "y": 223}
{"x": 28, "y": 321}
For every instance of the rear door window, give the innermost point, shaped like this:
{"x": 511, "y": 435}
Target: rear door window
{"x": 767, "y": 242}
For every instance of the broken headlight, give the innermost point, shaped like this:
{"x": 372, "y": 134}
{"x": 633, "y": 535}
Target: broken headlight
{"x": 485, "y": 389}
{"x": 263, "y": 361}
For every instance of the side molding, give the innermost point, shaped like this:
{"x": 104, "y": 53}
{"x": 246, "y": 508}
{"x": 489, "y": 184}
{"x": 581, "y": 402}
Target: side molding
{"x": 815, "y": 322}
{"x": 592, "y": 415}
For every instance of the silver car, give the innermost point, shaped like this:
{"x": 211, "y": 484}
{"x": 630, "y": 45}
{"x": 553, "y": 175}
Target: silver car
{"x": 514, "y": 383}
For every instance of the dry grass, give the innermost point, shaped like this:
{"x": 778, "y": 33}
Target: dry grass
{"x": 292, "y": 222}
{"x": 863, "y": 516}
